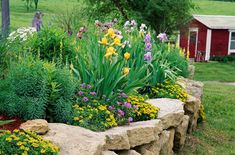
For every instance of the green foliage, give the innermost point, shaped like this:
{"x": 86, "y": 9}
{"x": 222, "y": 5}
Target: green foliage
{"x": 168, "y": 90}
{"x": 28, "y": 3}
{"x": 24, "y": 142}
{"x": 34, "y": 89}
{"x": 161, "y": 15}
{"x": 53, "y": 45}
{"x": 223, "y": 58}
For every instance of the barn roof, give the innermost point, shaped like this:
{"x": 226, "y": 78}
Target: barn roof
{"x": 216, "y": 21}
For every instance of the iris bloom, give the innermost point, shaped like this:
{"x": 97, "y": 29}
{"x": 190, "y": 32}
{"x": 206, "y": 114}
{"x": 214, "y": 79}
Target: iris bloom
{"x": 117, "y": 41}
{"x": 104, "y": 41}
{"x": 127, "y": 56}
{"x": 126, "y": 70}
{"x": 110, "y": 51}
{"x": 111, "y": 33}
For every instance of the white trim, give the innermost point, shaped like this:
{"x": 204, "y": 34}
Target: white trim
{"x": 229, "y": 42}
{"x": 178, "y": 39}
{"x": 193, "y": 29}
{"x": 208, "y": 45}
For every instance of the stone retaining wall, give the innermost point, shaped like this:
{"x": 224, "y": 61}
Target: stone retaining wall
{"x": 163, "y": 136}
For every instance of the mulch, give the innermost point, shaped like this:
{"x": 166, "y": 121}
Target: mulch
{"x": 11, "y": 126}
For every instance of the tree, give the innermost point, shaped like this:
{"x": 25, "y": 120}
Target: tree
{"x": 162, "y": 15}
{"x": 5, "y": 17}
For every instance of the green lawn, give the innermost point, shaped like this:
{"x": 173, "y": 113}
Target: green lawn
{"x": 209, "y": 7}
{"x": 217, "y": 135}
{"x": 21, "y": 17}
{"x": 215, "y": 71}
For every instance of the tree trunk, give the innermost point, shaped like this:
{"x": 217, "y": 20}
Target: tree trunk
{"x": 5, "y": 17}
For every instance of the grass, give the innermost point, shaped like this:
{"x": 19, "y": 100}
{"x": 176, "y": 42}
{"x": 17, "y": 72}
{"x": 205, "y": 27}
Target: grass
{"x": 215, "y": 71}
{"x": 21, "y": 17}
{"x": 211, "y": 7}
{"x": 217, "y": 135}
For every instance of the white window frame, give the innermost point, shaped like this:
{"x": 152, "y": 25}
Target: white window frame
{"x": 229, "y": 42}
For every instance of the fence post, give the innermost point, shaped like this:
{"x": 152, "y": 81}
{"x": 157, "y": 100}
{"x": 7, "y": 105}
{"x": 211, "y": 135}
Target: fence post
{"x": 5, "y": 17}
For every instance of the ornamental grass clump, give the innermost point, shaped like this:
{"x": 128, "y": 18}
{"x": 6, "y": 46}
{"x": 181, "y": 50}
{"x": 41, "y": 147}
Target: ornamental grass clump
{"x": 26, "y": 143}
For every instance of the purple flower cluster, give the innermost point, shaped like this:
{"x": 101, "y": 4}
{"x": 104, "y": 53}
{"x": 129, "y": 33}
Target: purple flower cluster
{"x": 121, "y": 112}
{"x": 148, "y": 48}
{"x": 162, "y": 37}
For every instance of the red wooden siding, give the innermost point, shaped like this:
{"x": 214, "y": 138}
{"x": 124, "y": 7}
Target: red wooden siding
{"x": 219, "y": 42}
{"x": 202, "y": 33}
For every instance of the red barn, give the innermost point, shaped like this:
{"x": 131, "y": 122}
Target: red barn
{"x": 208, "y": 35}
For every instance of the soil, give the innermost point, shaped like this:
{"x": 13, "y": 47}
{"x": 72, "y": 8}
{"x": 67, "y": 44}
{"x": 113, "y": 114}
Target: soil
{"x": 11, "y": 126}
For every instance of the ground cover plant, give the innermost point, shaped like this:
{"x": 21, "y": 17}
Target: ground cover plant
{"x": 25, "y": 142}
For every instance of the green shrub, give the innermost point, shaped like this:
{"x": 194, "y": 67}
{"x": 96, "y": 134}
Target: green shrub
{"x": 35, "y": 89}
{"x": 223, "y": 58}
{"x": 53, "y": 45}
{"x": 24, "y": 142}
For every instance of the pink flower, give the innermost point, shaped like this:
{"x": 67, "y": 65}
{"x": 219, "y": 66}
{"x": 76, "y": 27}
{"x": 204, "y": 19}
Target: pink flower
{"x": 120, "y": 112}
{"x": 130, "y": 119}
{"x": 128, "y": 105}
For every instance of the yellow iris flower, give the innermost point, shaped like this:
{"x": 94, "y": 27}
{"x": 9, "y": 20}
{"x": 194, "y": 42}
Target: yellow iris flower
{"x": 104, "y": 41}
{"x": 126, "y": 70}
{"x": 127, "y": 56}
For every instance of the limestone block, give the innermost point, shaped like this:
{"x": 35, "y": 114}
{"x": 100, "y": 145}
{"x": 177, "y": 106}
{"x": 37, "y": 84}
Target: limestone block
{"x": 39, "y": 126}
{"x": 74, "y": 140}
{"x": 167, "y": 142}
{"x": 171, "y": 111}
{"x": 180, "y": 134}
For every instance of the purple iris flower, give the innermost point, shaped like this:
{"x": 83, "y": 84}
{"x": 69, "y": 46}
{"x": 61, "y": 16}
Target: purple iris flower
{"x": 89, "y": 86}
{"x": 93, "y": 93}
{"x": 162, "y": 37}
{"x": 147, "y": 38}
{"x": 127, "y": 104}
{"x": 148, "y": 47}
{"x": 148, "y": 56}
{"x": 130, "y": 119}
{"x": 120, "y": 112}
{"x": 85, "y": 99}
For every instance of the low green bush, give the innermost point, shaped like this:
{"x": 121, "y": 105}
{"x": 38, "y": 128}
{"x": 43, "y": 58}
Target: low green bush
{"x": 25, "y": 143}
{"x": 53, "y": 45}
{"x": 35, "y": 89}
{"x": 223, "y": 58}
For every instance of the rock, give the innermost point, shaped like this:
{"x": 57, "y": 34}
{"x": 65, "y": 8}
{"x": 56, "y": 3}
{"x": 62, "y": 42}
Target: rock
{"x": 171, "y": 111}
{"x": 138, "y": 133}
{"x": 40, "y": 126}
{"x": 128, "y": 152}
{"x": 194, "y": 88}
{"x": 109, "y": 153}
{"x": 191, "y": 69}
{"x": 192, "y": 110}
{"x": 74, "y": 140}
{"x": 167, "y": 142}
{"x": 152, "y": 148}
{"x": 180, "y": 134}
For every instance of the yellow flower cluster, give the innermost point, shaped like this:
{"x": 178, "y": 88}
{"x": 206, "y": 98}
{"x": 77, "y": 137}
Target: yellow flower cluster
{"x": 110, "y": 51}
{"x": 167, "y": 89}
{"x": 143, "y": 109}
{"x": 26, "y": 143}
{"x": 94, "y": 116}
